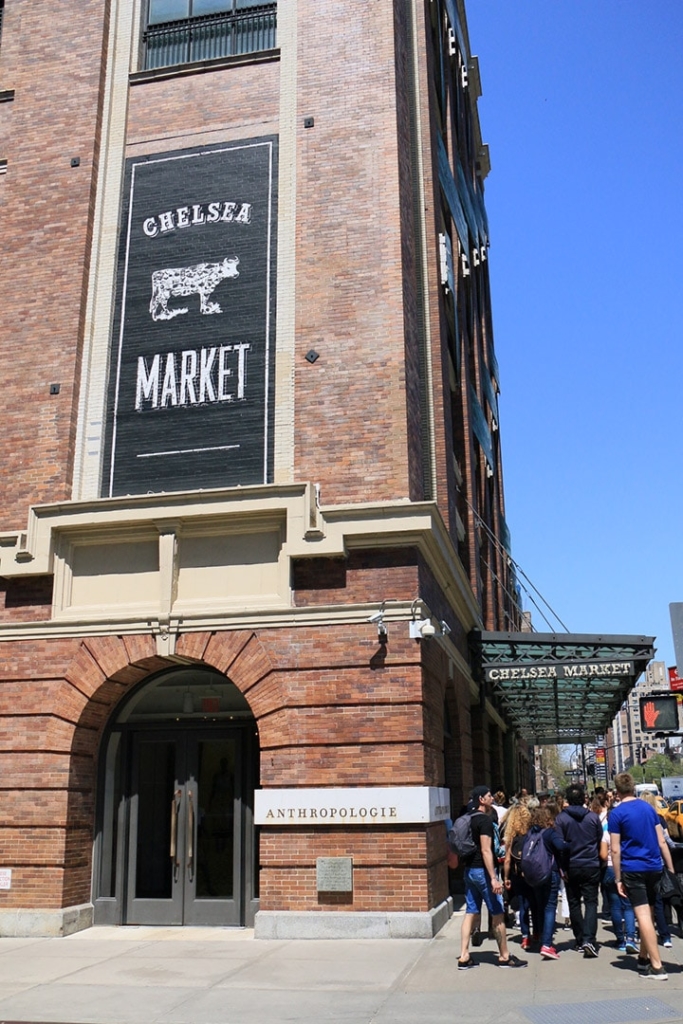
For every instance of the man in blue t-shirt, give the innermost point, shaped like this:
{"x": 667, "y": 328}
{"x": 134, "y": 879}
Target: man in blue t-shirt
{"x": 638, "y": 848}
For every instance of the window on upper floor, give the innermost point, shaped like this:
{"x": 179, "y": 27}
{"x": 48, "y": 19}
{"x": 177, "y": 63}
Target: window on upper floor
{"x": 184, "y": 31}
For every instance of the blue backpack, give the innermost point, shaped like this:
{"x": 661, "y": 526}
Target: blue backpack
{"x": 536, "y": 863}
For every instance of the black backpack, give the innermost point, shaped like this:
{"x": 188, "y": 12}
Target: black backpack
{"x": 460, "y": 838}
{"x": 516, "y": 852}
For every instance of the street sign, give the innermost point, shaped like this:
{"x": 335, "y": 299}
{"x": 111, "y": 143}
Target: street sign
{"x": 675, "y": 681}
{"x": 573, "y": 771}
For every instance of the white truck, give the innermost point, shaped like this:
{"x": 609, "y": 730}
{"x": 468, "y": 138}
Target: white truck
{"x": 672, "y": 787}
{"x": 647, "y": 787}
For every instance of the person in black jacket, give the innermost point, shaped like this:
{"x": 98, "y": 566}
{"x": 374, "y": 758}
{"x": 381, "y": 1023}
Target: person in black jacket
{"x": 581, "y": 829}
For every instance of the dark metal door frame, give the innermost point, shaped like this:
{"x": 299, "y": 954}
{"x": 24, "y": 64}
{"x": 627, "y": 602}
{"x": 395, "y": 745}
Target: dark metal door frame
{"x": 182, "y": 814}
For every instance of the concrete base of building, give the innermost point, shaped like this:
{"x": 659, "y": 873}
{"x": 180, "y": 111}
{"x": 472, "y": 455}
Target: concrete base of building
{"x": 31, "y": 924}
{"x": 293, "y": 924}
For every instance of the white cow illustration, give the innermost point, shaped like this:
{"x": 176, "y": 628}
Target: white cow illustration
{"x": 202, "y": 280}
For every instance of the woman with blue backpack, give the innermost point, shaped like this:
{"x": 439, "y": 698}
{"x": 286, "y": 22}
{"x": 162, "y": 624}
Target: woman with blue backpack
{"x": 520, "y": 895}
{"x": 541, "y": 864}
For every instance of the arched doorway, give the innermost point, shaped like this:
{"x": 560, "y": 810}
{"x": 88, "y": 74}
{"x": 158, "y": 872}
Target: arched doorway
{"x": 175, "y": 841}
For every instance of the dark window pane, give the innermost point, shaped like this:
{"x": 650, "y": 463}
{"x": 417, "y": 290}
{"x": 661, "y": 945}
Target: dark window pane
{"x": 168, "y": 10}
{"x": 200, "y": 7}
{"x": 154, "y": 879}
{"x": 216, "y": 819}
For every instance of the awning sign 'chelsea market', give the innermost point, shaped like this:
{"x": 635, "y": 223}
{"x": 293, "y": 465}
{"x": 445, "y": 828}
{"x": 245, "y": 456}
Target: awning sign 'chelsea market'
{"x": 191, "y": 377}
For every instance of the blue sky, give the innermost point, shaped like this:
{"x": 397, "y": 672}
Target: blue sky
{"x": 582, "y": 108}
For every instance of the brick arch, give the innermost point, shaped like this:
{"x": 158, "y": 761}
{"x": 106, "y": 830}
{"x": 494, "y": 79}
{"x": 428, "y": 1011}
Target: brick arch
{"x": 242, "y": 656}
{"x": 105, "y": 668}
{"x": 100, "y": 674}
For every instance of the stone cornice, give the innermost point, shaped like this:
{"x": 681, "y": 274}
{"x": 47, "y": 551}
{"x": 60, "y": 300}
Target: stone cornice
{"x": 308, "y": 530}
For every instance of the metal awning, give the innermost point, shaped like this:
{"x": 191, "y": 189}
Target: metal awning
{"x": 559, "y": 688}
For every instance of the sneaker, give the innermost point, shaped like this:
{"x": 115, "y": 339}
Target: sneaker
{"x": 631, "y": 946}
{"x": 589, "y": 951}
{"x": 465, "y": 965}
{"x": 655, "y": 973}
{"x": 643, "y": 964}
{"x": 667, "y": 943}
{"x": 549, "y": 953}
{"x": 526, "y": 942}
{"x": 477, "y": 937}
{"x": 621, "y": 947}
{"x": 513, "y": 961}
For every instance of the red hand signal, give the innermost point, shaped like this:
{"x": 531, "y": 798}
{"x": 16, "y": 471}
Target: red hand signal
{"x": 650, "y": 714}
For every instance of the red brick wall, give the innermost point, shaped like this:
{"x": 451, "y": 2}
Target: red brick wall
{"x": 55, "y": 697}
{"x": 402, "y": 869}
{"x": 351, "y": 404}
{"x": 27, "y": 599}
{"x": 327, "y": 716}
{"x": 54, "y": 65}
{"x": 363, "y": 576}
{"x": 243, "y": 100}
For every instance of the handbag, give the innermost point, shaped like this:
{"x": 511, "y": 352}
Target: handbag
{"x": 670, "y": 886}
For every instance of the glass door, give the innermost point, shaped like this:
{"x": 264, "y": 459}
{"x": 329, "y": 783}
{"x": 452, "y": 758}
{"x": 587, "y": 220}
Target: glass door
{"x": 184, "y": 840}
{"x": 157, "y": 825}
{"x": 213, "y": 830}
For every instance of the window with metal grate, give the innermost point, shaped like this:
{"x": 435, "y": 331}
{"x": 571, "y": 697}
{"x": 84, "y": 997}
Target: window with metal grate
{"x": 185, "y": 31}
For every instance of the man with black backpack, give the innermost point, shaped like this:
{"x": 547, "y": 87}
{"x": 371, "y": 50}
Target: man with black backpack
{"x": 482, "y": 883}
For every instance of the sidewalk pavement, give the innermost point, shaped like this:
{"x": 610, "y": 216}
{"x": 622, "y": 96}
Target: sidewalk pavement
{"x": 224, "y": 976}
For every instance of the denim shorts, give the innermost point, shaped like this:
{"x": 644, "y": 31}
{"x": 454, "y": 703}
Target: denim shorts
{"x": 478, "y": 888}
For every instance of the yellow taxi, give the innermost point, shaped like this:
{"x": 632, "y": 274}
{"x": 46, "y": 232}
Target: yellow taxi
{"x": 673, "y": 817}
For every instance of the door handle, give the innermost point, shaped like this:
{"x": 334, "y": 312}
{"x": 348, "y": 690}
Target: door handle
{"x": 190, "y": 834}
{"x": 175, "y": 807}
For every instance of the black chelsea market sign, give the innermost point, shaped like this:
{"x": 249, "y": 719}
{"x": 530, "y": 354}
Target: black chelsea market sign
{"x": 193, "y": 348}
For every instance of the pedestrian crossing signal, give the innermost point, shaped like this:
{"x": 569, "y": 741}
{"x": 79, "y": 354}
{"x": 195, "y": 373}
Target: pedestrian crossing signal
{"x": 659, "y": 714}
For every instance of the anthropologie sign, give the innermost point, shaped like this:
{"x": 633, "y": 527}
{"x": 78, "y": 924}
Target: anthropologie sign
{"x": 391, "y": 805}
{"x": 567, "y": 670}
{"x": 191, "y": 370}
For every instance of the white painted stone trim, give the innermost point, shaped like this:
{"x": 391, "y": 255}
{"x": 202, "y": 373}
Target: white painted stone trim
{"x": 26, "y": 923}
{"x": 352, "y": 924}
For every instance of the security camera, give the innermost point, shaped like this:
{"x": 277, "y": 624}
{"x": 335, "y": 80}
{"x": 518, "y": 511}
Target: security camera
{"x": 421, "y": 629}
{"x": 377, "y": 617}
{"x": 445, "y": 628}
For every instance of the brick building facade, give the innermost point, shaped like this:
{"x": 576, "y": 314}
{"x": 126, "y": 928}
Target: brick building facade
{"x": 252, "y": 498}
